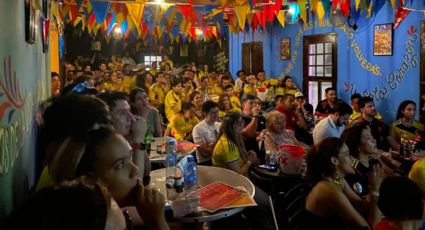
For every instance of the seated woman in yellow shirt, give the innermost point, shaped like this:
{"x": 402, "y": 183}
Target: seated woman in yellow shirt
{"x": 287, "y": 87}
{"x": 172, "y": 100}
{"x": 229, "y": 151}
{"x": 181, "y": 126}
{"x": 225, "y": 106}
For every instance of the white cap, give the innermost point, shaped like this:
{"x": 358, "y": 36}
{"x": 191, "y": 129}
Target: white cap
{"x": 299, "y": 94}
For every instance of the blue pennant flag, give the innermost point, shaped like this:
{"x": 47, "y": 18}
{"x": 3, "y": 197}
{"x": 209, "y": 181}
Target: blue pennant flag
{"x": 100, "y": 9}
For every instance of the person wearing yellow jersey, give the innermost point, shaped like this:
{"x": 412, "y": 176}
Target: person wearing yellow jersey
{"x": 158, "y": 91}
{"x": 356, "y": 110}
{"x": 172, "y": 100}
{"x": 154, "y": 68}
{"x": 225, "y": 106}
{"x": 166, "y": 59}
{"x": 229, "y": 151}
{"x": 231, "y": 92}
{"x": 187, "y": 90}
{"x": 417, "y": 174}
{"x": 406, "y": 125}
{"x": 181, "y": 126}
{"x": 250, "y": 88}
{"x": 287, "y": 87}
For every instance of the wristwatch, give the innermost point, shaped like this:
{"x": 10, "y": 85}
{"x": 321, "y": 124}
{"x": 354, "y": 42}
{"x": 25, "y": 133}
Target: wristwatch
{"x": 138, "y": 146}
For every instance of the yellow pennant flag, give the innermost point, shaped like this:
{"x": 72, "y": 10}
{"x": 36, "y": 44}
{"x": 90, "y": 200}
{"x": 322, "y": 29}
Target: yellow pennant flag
{"x": 130, "y": 24}
{"x": 303, "y": 12}
{"x": 83, "y": 22}
{"x": 241, "y": 2}
{"x": 393, "y": 3}
{"x": 165, "y": 7}
{"x": 320, "y": 11}
{"x": 214, "y": 12}
{"x": 183, "y": 25}
{"x": 88, "y": 6}
{"x": 249, "y": 17}
{"x": 76, "y": 21}
{"x": 65, "y": 10}
{"x": 120, "y": 18}
{"x": 187, "y": 30}
{"x": 159, "y": 31}
{"x": 313, "y": 4}
{"x": 158, "y": 15}
{"x": 364, "y": 6}
{"x": 55, "y": 9}
{"x": 89, "y": 28}
{"x": 171, "y": 38}
{"x": 241, "y": 12}
{"x": 370, "y": 10}
{"x": 172, "y": 15}
{"x": 96, "y": 29}
{"x": 357, "y": 4}
{"x": 281, "y": 17}
{"x": 135, "y": 11}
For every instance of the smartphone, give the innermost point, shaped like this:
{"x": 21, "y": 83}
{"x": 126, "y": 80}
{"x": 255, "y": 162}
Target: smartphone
{"x": 271, "y": 168}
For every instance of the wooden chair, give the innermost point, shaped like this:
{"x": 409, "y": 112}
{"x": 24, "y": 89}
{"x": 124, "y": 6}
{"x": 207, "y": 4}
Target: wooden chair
{"x": 293, "y": 202}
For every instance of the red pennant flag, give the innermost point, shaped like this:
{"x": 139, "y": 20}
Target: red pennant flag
{"x": 269, "y": 12}
{"x": 345, "y": 7}
{"x": 335, "y": 4}
{"x": 261, "y": 18}
{"x": 186, "y": 11}
{"x": 400, "y": 14}
{"x": 73, "y": 11}
{"x": 120, "y": 8}
{"x": 277, "y": 6}
{"x": 92, "y": 19}
{"x": 254, "y": 24}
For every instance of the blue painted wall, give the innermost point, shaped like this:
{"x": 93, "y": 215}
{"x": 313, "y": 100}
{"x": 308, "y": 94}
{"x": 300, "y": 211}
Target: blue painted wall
{"x": 353, "y": 47}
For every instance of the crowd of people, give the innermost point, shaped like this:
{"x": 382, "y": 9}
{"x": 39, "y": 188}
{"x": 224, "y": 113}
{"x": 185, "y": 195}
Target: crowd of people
{"x": 92, "y": 146}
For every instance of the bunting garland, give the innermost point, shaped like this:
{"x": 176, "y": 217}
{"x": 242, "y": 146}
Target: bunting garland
{"x": 186, "y": 22}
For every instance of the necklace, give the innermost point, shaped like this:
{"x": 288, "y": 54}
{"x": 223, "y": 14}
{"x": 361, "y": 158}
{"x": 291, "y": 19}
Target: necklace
{"x": 408, "y": 125}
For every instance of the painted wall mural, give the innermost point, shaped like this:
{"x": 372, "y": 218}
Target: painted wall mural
{"x": 388, "y": 79}
{"x": 16, "y": 113}
{"x": 365, "y": 64}
{"x": 395, "y": 78}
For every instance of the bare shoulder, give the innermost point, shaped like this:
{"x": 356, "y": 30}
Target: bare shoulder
{"x": 323, "y": 198}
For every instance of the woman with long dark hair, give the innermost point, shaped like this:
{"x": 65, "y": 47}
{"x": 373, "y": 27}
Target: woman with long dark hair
{"x": 406, "y": 126}
{"x": 141, "y": 107}
{"x": 229, "y": 151}
{"x": 332, "y": 204}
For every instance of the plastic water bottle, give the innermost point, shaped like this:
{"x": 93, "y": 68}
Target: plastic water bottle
{"x": 170, "y": 164}
{"x": 190, "y": 177}
{"x": 272, "y": 159}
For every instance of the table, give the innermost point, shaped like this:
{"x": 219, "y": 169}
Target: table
{"x": 207, "y": 175}
{"x": 160, "y": 158}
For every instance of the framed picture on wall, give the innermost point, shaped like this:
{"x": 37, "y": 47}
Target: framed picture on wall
{"x": 285, "y": 49}
{"x": 383, "y": 40}
{"x": 30, "y": 22}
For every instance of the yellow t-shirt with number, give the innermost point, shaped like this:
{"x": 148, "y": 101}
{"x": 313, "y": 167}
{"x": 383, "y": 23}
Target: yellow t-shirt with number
{"x": 180, "y": 127}
{"x": 158, "y": 93}
{"x": 226, "y": 152}
{"x": 172, "y": 100}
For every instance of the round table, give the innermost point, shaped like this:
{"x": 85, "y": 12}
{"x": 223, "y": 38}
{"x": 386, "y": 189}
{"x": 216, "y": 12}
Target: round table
{"x": 207, "y": 175}
{"x": 160, "y": 158}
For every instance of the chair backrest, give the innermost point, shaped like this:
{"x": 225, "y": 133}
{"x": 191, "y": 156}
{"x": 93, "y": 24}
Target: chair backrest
{"x": 294, "y": 205}
{"x": 265, "y": 183}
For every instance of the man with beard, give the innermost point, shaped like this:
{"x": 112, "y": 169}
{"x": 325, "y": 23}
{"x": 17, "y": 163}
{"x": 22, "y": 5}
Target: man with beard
{"x": 380, "y": 130}
{"x": 334, "y": 124}
{"x": 326, "y": 106}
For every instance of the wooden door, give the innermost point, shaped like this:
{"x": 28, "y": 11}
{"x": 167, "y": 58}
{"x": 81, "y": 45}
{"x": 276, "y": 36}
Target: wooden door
{"x": 320, "y": 67}
{"x": 252, "y": 57}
